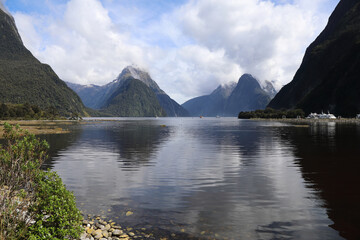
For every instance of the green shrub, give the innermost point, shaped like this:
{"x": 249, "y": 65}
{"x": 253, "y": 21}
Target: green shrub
{"x": 34, "y": 204}
{"x": 20, "y": 160}
{"x": 57, "y": 216}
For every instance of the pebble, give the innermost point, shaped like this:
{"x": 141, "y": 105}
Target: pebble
{"x": 98, "y": 229}
{"x": 117, "y": 232}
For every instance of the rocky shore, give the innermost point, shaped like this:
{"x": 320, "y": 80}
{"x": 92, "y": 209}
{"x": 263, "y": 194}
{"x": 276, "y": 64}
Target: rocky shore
{"x": 96, "y": 228}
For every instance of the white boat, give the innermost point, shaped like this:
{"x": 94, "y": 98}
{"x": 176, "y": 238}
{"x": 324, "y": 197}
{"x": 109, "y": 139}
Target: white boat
{"x": 358, "y": 116}
{"x": 321, "y": 116}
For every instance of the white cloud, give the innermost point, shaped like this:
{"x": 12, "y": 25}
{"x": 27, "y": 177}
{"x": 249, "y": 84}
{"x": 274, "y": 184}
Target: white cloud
{"x": 264, "y": 39}
{"x": 194, "y": 69}
{"x": 188, "y": 51}
{"x": 82, "y": 46}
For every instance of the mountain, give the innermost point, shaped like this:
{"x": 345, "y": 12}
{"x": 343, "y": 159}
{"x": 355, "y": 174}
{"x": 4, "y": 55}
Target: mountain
{"x": 97, "y": 97}
{"x": 329, "y": 76}
{"x": 210, "y": 105}
{"x": 133, "y": 98}
{"x": 89, "y": 94}
{"x": 229, "y": 100}
{"x": 24, "y": 79}
{"x": 171, "y": 107}
{"x": 247, "y": 96}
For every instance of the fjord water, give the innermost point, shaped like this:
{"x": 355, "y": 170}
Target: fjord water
{"x": 219, "y": 178}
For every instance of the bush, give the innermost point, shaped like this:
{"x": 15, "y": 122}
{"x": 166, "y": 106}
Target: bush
{"x": 34, "y": 204}
{"x": 20, "y": 160}
{"x": 57, "y": 216}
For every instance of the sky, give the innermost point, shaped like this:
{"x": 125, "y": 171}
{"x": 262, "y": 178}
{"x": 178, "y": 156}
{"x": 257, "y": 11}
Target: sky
{"x": 189, "y": 47}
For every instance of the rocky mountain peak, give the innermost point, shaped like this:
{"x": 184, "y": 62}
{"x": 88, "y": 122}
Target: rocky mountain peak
{"x": 224, "y": 89}
{"x": 248, "y": 81}
{"x": 268, "y": 87}
{"x": 142, "y": 75}
{"x": 134, "y": 72}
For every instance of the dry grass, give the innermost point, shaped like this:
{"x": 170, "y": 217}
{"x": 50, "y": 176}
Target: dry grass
{"x": 40, "y": 126}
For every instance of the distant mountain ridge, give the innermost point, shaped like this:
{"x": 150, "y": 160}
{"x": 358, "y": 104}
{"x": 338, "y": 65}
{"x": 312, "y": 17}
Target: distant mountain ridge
{"x": 230, "y": 99}
{"x": 24, "y": 79}
{"x": 97, "y": 97}
{"x": 329, "y": 76}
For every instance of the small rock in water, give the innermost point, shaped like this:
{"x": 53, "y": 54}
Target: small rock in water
{"x": 97, "y": 234}
{"x": 105, "y": 233}
{"x": 124, "y": 235}
{"x": 89, "y": 230}
{"x": 107, "y": 227}
{"x": 117, "y": 232}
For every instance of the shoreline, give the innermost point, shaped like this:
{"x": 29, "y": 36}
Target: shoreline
{"x": 306, "y": 120}
{"x": 39, "y": 127}
{"x": 97, "y": 227}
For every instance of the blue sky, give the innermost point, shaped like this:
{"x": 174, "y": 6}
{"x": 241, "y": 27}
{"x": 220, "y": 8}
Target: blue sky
{"x": 188, "y": 46}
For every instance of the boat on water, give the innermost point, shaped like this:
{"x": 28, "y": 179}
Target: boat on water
{"x": 321, "y": 116}
{"x": 358, "y": 116}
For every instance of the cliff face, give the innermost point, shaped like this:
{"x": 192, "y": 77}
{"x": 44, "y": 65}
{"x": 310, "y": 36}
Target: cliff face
{"x": 329, "y": 76}
{"x": 23, "y": 79}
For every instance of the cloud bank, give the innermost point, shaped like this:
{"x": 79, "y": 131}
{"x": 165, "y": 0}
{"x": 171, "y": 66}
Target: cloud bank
{"x": 188, "y": 49}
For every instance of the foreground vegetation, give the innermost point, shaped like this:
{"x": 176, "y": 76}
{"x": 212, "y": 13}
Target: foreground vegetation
{"x": 272, "y": 113}
{"x": 34, "y": 204}
{"x": 27, "y": 111}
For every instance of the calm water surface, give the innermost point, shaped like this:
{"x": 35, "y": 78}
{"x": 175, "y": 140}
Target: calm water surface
{"x": 219, "y": 178}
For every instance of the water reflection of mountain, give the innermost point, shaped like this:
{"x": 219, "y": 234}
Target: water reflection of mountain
{"x": 328, "y": 156}
{"x": 138, "y": 143}
{"x": 58, "y": 143}
{"x": 135, "y": 142}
